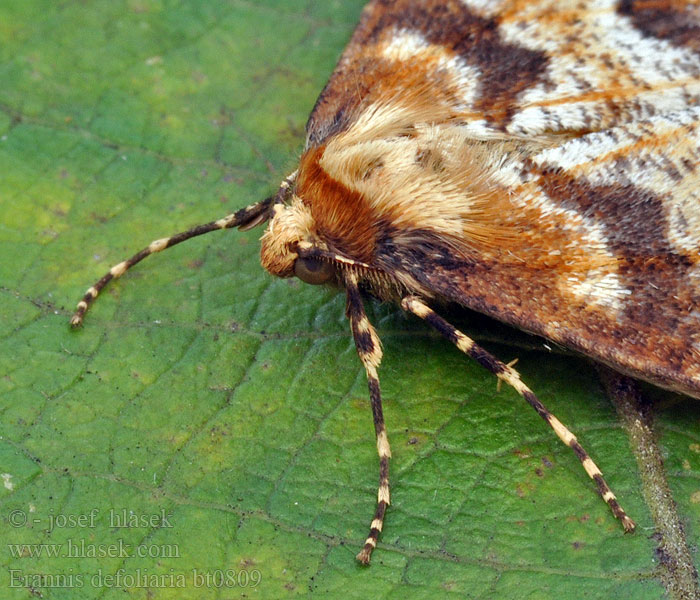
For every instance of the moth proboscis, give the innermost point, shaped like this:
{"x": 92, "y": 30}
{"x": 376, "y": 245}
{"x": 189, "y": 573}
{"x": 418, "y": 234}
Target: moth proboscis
{"x": 536, "y": 161}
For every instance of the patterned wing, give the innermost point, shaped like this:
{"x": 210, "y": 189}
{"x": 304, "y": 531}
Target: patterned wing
{"x": 521, "y": 67}
{"x": 593, "y": 175}
{"x": 608, "y": 257}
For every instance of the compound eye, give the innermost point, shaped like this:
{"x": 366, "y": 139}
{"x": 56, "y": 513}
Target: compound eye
{"x": 313, "y": 270}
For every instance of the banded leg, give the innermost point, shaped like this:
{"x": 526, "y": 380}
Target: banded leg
{"x": 511, "y": 377}
{"x": 370, "y": 352}
{"x": 245, "y": 218}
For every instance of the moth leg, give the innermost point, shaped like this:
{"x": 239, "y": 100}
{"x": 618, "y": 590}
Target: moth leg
{"x": 512, "y": 378}
{"x": 499, "y": 381}
{"x": 370, "y": 352}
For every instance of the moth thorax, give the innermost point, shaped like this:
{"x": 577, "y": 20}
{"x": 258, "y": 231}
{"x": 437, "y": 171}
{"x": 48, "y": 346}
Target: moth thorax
{"x": 289, "y": 225}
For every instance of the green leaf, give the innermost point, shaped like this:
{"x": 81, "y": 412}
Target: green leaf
{"x": 231, "y": 405}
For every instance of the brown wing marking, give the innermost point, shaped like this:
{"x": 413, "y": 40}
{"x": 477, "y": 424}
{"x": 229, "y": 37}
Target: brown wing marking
{"x": 671, "y": 20}
{"x": 528, "y": 68}
{"x": 362, "y": 74}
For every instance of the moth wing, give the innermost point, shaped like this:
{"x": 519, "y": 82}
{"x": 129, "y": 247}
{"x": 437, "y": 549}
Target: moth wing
{"x": 603, "y": 96}
{"x": 520, "y": 68}
{"x": 607, "y": 260}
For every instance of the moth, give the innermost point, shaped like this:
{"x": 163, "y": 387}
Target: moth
{"x": 536, "y": 161}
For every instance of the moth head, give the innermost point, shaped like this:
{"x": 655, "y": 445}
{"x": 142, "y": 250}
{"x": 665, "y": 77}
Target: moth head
{"x": 290, "y": 247}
